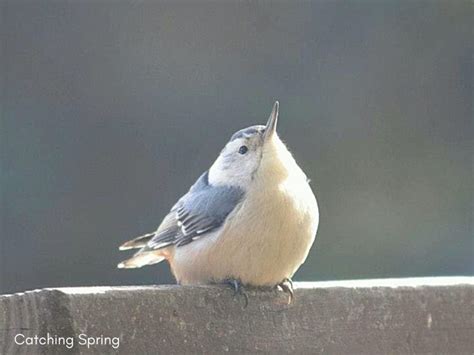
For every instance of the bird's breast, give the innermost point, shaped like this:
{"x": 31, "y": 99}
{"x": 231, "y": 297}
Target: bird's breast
{"x": 270, "y": 234}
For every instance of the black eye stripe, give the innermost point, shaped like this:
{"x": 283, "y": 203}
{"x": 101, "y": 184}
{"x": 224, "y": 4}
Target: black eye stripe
{"x": 243, "y": 149}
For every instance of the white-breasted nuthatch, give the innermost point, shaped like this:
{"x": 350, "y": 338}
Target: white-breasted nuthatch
{"x": 251, "y": 218}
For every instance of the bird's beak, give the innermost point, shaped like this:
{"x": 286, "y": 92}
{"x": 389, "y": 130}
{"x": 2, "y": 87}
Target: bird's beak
{"x": 271, "y": 126}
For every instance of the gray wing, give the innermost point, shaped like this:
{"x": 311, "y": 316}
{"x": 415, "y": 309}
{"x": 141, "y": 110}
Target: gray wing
{"x": 203, "y": 209}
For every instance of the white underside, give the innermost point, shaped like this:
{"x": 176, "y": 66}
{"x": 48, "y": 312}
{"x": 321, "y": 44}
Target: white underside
{"x": 263, "y": 242}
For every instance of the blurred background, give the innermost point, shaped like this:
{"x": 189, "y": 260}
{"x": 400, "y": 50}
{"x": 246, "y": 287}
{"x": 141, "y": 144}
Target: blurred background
{"x": 111, "y": 110}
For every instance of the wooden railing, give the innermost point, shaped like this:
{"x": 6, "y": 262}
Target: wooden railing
{"x": 424, "y": 315}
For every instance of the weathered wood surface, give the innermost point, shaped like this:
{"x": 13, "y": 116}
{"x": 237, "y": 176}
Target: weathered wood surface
{"x": 433, "y": 315}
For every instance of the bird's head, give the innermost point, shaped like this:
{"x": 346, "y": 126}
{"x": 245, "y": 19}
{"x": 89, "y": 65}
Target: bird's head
{"x": 239, "y": 161}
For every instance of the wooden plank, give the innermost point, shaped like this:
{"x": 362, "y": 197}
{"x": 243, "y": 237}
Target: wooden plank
{"x": 433, "y": 315}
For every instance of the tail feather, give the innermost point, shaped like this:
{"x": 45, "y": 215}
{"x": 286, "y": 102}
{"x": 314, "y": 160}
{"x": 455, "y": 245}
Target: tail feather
{"x": 141, "y": 259}
{"x": 138, "y": 242}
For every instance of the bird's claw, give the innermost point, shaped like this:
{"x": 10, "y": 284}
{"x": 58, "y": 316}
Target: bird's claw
{"x": 238, "y": 290}
{"x": 287, "y": 286}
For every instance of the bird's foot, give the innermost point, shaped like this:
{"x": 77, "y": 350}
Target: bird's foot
{"x": 238, "y": 289}
{"x": 287, "y": 286}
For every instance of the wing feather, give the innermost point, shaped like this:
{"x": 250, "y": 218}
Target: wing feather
{"x": 203, "y": 209}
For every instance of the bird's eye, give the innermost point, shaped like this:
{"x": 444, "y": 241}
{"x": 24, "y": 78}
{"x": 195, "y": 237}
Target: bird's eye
{"x": 243, "y": 149}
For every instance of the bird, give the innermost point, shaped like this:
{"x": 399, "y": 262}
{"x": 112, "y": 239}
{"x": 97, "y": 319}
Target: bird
{"x": 249, "y": 220}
